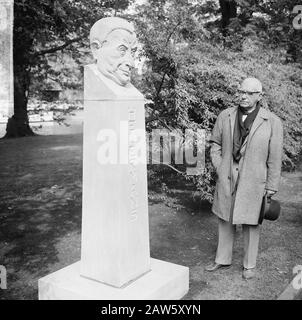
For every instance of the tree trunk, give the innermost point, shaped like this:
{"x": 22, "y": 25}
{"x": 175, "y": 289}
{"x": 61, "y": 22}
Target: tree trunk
{"x": 228, "y": 11}
{"x": 18, "y": 124}
{"x": 294, "y": 47}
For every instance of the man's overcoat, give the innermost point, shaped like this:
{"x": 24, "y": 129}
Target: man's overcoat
{"x": 259, "y": 168}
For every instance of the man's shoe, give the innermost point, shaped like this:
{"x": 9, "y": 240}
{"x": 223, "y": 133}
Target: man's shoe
{"x": 215, "y": 266}
{"x": 248, "y": 273}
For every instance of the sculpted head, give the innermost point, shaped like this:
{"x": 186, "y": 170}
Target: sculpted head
{"x": 113, "y": 44}
{"x": 250, "y": 92}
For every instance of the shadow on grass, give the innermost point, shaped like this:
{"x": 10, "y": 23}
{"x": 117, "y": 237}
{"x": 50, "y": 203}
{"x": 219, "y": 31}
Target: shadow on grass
{"x": 182, "y": 228}
{"x": 40, "y": 204}
{"x": 175, "y": 191}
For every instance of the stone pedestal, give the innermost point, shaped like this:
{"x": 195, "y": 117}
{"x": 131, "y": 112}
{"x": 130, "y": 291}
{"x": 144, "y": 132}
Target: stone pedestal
{"x": 115, "y": 256}
{"x": 164, "y": 281}
{"x": 115, "y": 231}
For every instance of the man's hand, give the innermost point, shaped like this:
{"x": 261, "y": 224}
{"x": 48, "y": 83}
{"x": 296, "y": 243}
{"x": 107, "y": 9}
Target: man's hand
{"x": 270, "y": 193}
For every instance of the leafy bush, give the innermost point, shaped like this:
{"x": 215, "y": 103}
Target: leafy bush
{"x": 192, "y": 74}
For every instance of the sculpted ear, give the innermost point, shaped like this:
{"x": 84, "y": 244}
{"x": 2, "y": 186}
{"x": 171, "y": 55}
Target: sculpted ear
{"x": 95, "y": 47}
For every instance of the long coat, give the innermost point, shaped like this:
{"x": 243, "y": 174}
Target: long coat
{"x": 259, "y": 168}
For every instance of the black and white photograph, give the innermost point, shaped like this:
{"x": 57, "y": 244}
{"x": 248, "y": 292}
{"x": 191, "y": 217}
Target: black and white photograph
{"x": 151, "y": 150}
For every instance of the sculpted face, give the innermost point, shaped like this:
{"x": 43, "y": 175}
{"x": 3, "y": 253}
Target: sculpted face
{"x": 250, "y": 93}
{"x": 115, "y": 55}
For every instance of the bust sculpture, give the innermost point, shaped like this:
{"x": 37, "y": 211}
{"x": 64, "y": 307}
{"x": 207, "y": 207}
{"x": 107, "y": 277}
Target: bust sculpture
{"x": 113, "y": 44}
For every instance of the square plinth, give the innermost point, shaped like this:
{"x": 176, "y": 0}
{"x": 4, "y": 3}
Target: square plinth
{"x": 165, "y": 281}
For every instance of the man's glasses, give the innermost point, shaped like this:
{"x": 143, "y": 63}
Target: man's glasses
{"x": 249, "y": 93}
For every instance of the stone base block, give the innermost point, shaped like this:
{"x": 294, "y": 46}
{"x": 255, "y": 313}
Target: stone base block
{"x": 164, "y": 281}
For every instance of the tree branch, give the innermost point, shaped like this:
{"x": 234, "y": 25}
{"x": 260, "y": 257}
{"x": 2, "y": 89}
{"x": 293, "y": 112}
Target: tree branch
{"x": 54, "y": 49}
{"x": 171, "y": 33}
{"x": 161, "y": 120}
{"x": 170, "y": 166}
{"x": 165, "y": 73}
{"x": 151, "y": 119}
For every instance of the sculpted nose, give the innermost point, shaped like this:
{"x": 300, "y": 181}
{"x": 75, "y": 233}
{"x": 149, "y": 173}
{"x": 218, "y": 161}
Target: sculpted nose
{"x": 130, "y": 61}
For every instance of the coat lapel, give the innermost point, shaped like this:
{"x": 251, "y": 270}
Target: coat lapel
{"x": 232, "y": 117}
{"x": 261, "y": 117}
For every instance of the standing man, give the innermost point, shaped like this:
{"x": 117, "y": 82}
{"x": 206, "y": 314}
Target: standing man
{"x": 246, "y": 152}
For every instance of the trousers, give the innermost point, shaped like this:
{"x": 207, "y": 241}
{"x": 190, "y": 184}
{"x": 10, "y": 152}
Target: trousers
{"x": 226, "y": 233}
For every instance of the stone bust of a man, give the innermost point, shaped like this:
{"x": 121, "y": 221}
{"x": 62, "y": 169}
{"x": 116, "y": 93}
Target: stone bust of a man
{"x": 113, "y": 44}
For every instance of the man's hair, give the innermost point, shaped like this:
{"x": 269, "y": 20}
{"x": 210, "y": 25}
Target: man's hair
{"x": 103, "y": 27}
{"x": 256, "y": 83}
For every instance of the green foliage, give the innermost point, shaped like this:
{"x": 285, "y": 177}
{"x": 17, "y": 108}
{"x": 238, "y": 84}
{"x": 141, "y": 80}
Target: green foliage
{"x": 269, "y": 21}
{"x": 192, "y": 73}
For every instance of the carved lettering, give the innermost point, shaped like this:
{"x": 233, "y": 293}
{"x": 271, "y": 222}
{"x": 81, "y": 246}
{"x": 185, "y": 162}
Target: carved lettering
{"x": 132, "y": 165}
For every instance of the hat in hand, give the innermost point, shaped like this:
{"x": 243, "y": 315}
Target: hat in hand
{"x": 270, "y": 209}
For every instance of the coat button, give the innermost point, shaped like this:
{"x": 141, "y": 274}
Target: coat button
{"x": 236, "y": 169}
{"x": 229, "y": 177}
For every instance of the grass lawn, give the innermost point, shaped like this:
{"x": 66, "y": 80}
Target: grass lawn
{"x": 40, "y": 218}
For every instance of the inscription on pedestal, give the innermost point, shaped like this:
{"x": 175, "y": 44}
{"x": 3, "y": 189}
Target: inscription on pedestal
{"x": 132, "y": 163}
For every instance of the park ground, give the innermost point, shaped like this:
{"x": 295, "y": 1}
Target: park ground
{"x": 40, "y": 218}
